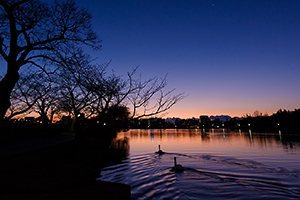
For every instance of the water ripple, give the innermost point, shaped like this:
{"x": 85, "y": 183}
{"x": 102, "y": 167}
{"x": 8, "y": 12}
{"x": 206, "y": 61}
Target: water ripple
{"x": 205, "y": 176}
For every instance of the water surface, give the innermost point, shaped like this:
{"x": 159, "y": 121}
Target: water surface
{"x": 218, "y": 164}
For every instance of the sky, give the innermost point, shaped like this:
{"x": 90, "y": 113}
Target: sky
{"x": 230, "y": 57}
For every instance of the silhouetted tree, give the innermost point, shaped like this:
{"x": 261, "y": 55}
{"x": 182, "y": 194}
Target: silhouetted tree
{"x": 111, "y": 90}
{"x": 256, "y": 113}
{"x": 32, "y": 32}
{"x": 32, "y": 86}
{"x": 116, "y": 117}
{"x": 77, "y": 87}
{"x": 142, "y": 97}
{"x": 47, "y": 105}
{"x": 74, "y": 97}
{"x": 106, "y": 88}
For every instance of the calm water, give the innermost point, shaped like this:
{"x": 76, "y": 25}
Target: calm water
{"x": 218, "y": 164}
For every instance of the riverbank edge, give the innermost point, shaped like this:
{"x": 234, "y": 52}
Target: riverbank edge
{"x": 63, "y": 171}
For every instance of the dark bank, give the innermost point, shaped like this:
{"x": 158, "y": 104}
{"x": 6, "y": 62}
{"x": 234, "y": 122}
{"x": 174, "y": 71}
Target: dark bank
{"x": 64, "y": 171}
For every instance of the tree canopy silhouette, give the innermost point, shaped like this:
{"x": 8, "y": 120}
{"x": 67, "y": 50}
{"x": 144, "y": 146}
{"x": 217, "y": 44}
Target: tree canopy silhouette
{"x": 33, "y": 32}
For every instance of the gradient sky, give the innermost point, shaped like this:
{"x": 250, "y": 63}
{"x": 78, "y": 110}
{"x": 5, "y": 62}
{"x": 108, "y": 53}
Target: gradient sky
{"x": 231, "y": 57}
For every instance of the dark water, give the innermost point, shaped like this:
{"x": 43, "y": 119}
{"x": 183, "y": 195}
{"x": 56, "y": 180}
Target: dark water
{"x": 218, "y": 164}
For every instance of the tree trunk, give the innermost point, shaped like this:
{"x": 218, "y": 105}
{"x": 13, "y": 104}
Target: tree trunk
{"x": 7, "y": 84}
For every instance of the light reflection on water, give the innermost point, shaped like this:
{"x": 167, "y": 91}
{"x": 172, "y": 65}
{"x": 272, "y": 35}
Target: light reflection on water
{"x": 218, "y": 164}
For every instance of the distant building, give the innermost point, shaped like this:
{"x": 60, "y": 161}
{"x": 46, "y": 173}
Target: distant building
{"x": 204, "y": 121}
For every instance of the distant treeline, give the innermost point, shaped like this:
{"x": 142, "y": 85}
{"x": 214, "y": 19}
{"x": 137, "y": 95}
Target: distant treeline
{"x": 284, "y": 120}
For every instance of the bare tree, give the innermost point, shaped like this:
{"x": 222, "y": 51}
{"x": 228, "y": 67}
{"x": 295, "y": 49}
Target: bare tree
{"x": 32, "y": 86}
{"x": 74, "y": 97}
{"x": 32, "y": 31}
{"x": 78, "y": 87}
{"x": 106, "y": 88}
{"x": 47, "y": 103}
{"x": 148, "y": 98}
{"x": 111, "y": 90}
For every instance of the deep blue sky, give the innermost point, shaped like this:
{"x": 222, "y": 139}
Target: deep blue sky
{"x": 232, "y": 56}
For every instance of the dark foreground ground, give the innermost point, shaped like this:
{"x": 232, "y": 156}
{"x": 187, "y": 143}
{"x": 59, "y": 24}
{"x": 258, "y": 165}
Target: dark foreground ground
{"x": 63, "y": 171}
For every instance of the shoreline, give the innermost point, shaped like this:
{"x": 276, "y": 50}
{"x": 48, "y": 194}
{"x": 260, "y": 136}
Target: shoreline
{"x": 62, "y": 171}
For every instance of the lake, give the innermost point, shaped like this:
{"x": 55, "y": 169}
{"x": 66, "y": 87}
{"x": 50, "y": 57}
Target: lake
{"x": 218, "y": 164}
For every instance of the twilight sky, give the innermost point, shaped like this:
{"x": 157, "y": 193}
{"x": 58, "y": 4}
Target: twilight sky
{"x": 231, "y": 57}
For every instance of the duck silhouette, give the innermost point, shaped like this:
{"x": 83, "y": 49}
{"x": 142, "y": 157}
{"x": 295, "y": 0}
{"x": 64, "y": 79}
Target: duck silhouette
{"x": 177, "y": 167}
{"x": 160, "y": 151}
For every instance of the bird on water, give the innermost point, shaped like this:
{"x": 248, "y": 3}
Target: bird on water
{"x": 177, "y": 167}
{"x": 159, "y": 151}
